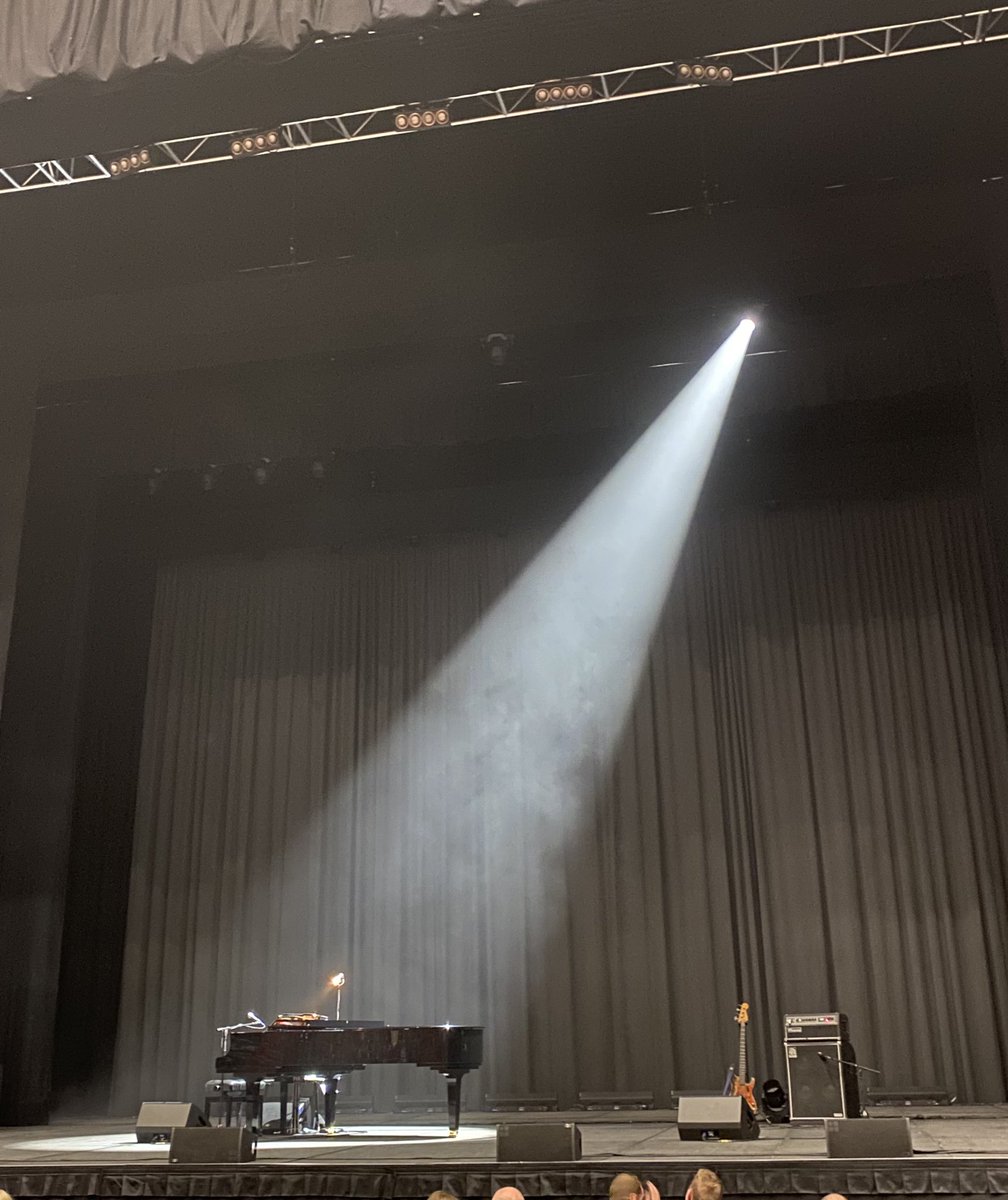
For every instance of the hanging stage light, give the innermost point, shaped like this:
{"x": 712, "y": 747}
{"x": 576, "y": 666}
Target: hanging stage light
{"x": 262, "y": 470}
{"x": 243, "y": 145}
{"x": 130, "y": 162}
{"x": 564, "y": 91}
{"x": 407, "y": 120}
{"x": 209, "y": 477}
{"x": 703, "y": 73}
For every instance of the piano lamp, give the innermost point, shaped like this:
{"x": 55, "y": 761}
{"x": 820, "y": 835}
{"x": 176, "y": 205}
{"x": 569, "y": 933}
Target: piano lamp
{"x": 337, "y": 981}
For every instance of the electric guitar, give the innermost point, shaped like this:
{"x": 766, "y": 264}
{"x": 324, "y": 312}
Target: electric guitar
{"x": 740, "y": 1085}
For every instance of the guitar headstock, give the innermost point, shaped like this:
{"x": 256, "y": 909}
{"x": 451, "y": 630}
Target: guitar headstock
{"x": 742, "y": 1013}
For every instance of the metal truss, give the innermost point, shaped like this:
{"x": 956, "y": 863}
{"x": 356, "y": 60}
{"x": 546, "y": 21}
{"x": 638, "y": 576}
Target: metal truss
{"x": 629, "y": 83}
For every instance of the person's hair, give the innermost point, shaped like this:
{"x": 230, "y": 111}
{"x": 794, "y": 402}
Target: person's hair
{"x": 624, "y": 1186}
{"x": 440, "y": 1194}
{"x": 705, "y": 1185}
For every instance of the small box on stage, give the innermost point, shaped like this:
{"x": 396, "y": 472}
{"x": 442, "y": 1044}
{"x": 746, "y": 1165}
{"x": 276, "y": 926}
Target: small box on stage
{"x": 542, "y": 1141}
{"x": 725, "y": 1118}
{"x": 156, "y": 1119}
{"x": 211, "y": 1144}
{"x": 872, "y": 1137}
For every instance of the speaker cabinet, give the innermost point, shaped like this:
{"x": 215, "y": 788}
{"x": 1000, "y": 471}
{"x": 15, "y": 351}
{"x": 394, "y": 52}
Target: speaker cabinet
{"x": 156, "y": 1119}
{"x": 548, "y": 1141}
{"x": 873, "y": 1137}
{"x": 721, "y": 1117}
{"x": 213, "y": 1144}
{"x": 818, "y": 1085}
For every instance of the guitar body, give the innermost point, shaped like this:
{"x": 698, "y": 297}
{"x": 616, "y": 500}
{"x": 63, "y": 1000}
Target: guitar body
{"x": 746, "y": 1090}
{"x": 740, "y": 1086}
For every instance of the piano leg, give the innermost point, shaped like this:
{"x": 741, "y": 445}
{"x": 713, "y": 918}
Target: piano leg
{"x": 454, "y": 1100}
{"x": 253, "y": 1103}
{"x": 330, "y": 1092}
{"x": 284, "y": 1092}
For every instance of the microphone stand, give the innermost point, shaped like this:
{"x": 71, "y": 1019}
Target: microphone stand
{"x": 846, "y": 1062}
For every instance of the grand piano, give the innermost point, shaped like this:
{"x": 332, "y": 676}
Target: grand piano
{"x": 289, "y": 1054}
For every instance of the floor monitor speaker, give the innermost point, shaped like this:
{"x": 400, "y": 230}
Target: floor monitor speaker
{"x": 541, "y": 1141}
{"x": 721, "y": 1117}
{"x": 868, "y": 1137}
{"x": 213, "y": 1144}
{"x": 157, "y": 1118}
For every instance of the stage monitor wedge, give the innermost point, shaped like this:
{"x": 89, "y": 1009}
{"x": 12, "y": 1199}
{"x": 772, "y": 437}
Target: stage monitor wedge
{"x": 157, "y": 1118}
{"x": 726, "y": 1118}
{"x": 868, "y": 1137}
{"x": 212, "y": 1144}
{"x": 544, "y": 1141}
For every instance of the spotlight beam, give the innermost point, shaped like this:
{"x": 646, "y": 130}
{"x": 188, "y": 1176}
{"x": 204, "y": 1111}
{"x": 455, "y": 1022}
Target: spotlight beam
{"x": 524, "y": 713}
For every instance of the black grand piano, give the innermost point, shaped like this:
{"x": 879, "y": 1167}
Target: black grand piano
{"x": 338, "y": 1047}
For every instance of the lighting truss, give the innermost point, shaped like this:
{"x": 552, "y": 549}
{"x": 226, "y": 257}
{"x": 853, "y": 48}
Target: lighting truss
{"x": 629, "y": 83}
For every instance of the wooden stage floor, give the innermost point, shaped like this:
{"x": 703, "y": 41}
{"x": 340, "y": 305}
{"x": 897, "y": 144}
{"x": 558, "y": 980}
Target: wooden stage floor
{"x": 958, "y": 1150}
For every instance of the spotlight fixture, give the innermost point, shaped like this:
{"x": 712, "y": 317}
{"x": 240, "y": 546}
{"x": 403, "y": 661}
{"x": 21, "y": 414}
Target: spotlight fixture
{"x": 243, "y": 145}
{"x": 209, "y": 478}
{"x": 130, "y": 162}
{"x": 564, "y": 91}
{"x": 498, "y": 347}
{"x": 321, "y": 464}
{"x": 775, "y": 1103}
{"x": 704, "y": 73}
{"x": 407, "y": 120}
{"x": 262, "y": 470}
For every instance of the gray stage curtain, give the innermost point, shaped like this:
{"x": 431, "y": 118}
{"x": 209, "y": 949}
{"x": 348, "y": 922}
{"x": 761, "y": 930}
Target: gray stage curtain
{"x": 101, "y": 40}
{"x": 806, "y": 810}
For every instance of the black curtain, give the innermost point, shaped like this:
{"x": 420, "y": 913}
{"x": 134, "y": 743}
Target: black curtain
{"x": 806, "y": 811}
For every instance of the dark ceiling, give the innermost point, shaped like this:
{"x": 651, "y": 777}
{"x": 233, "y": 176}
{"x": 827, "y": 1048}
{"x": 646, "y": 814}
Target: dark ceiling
{"x": 384, "y": 261}
{"x": 926, "y": 118}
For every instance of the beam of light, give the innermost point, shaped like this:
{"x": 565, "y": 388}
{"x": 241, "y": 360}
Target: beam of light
{"x": 553, "y": 667}
{"x": 486, "y": 772}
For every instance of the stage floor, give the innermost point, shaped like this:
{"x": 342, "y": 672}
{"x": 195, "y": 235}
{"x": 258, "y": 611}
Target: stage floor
{"x": 958, "y": 1151}
{"x": 947, "y": 1132}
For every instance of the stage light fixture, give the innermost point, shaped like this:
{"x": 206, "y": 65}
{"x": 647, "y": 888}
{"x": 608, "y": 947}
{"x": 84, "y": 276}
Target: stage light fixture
{"x": 243, "y": 145}
{"x": 498, "y": 347}
{"x": 322, "y": 464}
{"x": 775, "y": 1103}
{"x": 564, "y": 91}
{"x": 407, "y": 120}
{"x": 130, "y": 162}
{"x": 262, "y": 471}
{"x": 209, "y": 477}
{"x": 704, "y": 73}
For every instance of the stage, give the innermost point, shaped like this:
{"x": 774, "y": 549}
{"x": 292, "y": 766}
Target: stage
{"x": 958, "y": 1151}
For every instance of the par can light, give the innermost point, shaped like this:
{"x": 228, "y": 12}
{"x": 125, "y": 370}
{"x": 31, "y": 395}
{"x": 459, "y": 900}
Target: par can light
{"x": 408, "y": 119}
{"x": 564, "y": 91}
{"x": 130, "y": 161}
{"x": 242, "y": 145}
{"x": 704, "y": 73}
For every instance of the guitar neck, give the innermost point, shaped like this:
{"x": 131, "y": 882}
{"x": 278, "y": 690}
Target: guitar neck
{"x": 743, "y": 1073}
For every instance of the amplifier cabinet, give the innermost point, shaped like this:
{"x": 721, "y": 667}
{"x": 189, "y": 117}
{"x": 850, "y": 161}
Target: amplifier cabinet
{"x": 819, "y": 1086}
